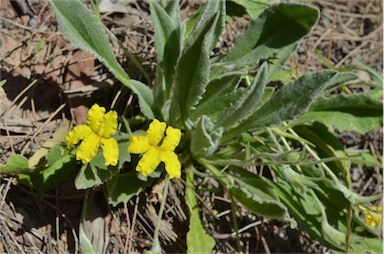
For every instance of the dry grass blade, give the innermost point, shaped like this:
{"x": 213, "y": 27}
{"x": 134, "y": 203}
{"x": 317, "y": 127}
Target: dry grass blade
{"x": 33, "y": 105}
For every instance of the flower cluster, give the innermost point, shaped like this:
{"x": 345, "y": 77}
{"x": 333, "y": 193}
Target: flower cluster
{"x": 373, "y": 219}
{"x": 155, "y": 147}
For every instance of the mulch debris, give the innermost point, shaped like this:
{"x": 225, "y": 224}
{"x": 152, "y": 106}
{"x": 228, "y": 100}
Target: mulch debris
{"x": 49, "y": 82}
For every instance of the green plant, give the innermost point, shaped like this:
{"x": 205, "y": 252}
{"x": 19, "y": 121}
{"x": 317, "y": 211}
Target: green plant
{"x": 230, "y": 119}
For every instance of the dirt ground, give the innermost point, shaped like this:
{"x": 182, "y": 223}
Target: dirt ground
{"x": 48, "y": 86}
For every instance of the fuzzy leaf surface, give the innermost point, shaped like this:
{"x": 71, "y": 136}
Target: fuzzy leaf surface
{"x": 265, "y": 36}
{"x": 355, "y": 112}
{"x": 81, "y": 28}
{"x": 247, "y": 104}
{"x": 193, "y": 68}
{"x": 291, "y": 100}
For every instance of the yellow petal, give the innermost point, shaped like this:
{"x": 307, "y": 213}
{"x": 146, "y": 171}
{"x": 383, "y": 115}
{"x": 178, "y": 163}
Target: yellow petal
{"x": 108, "y": 126}
{"x": 110, "y": 151}
{"x": 138, "y": 144}
{"x": 76, "y": 134}
{"x": 172, "y": 140}
{"x": 149, "y": 162}
{"x": 88, "y": 148}
{"x": 155, "y": 132}
{"x": 95, "y": 117}
{"x": 172, "y": 164}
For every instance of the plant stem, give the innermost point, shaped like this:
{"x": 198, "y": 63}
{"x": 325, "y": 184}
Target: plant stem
{"x": 224, "y": 180}
{"x": 235, "y": 225}
{"x": 156, "y": 248}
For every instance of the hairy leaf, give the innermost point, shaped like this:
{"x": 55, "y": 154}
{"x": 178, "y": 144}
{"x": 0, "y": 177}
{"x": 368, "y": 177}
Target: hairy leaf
{"x": 276, "y": 28}
{"x": 248, "y": 102}
{"x": 253, "y": 7}
{"x": 291, "y": 100}
{"x": 216, "y": 105}
{"x": 192, "y": 71}
{"x": 218, "y": 87}
{"x": 168, "y": 36}
{"x": 81, "y": 28}
{"x": 256, "y": 195}
{"x": 355, "y": 112}
{"x": 205, "y": 137}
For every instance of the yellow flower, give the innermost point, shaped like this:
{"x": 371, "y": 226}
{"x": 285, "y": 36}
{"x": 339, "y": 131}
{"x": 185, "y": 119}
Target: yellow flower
{"x": 95, "y": 133}
{"x": 157, "y": 149}
{"x": 373, "y": 219}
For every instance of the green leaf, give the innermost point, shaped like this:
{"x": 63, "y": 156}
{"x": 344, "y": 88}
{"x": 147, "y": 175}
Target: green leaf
{"x": 2, "y": 82}
{"x": 216, "y": 105}
{"x": 61, "y": 164}
{"x": 286, "y": 23}
{"x": 192, "y": 71}
{"x": 145, "y": 94}
{"x": 341, "y": 78}
{"x": 39, "y": 158}
{"x": 39, "y": 46}
{"x": 198, "y": 241}
{"x": 124, "y": 155}
{"x": 355, "y": 112}
{"x": 291, "y": 100}
{"x": 298, "y": 179}
{"x": 321, "y": 211}
{"x": 326, "y": 145}
{"x": 55, "y": 153}
{"x": 173, "y": 10}
{"x": 256, "y": 195}
{"x": 304, "y": 209}
{"x": 368, "y": 245}
{"x": 377, "y": 76}
{"x": 271, "y": 209}
{"x": 95, "y": 172}
{"x": 89, "y": 176}
{"x": 205, "y": 138}
{"x": 210, "y": 10}
{"x": 85, "y": 243}
{"x": 16, "y": 163}
{"x": 277, "y": 27}
{"x": 278, "y": 61}
{"x": 163, "y": 25}
{"x": 363, "y": 158}
{"x": 223, "y": 85}
{"x": 253, "y": 7}
{"x": 122, "y": 187}
{"x": 82, "y": 29}
{"x": 168, "y": 37}
{"x": 248, "y": 102}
